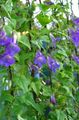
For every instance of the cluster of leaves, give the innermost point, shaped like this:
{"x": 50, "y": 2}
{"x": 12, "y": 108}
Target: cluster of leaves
{"x": 24, "y": 93}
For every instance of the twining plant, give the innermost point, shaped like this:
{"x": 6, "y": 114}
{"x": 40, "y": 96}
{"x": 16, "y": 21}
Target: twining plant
{"x": 39, "y": 72}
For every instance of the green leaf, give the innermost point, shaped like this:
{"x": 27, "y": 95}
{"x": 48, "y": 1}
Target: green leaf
{"x": 20, "y": 21}
{"x": 44, "y": 38}
{"x": 47, "y": 91}
{"x": 6, "y": 96}
{"x": 12, "y": 22}
{"x": 8, "y": 29}
{"x": 60, "y": 115}
{"x": 6, "y": 11}
{"x": 20, "y": 118}
{"x": 43, "y": 19}
{"x": 28, "y": 100}
{"x": 8, "y": 5}
{"x": 62, "y": 52}
{"x": 22, "y": 82}
{"x": 43, "y": 7}
{"x": 36, "y": 86}
{"x": 25, "y": 41}
{"x": 69, "y": 92}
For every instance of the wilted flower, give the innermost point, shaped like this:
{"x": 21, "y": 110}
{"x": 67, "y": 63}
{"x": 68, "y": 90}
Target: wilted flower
{"x": 34, "y": 67}
{"x": 7, "y": 49}
{"x": 44, "y": 44}
{"x": 39, "y": 59}
{"x": 76, "y": 59}
{"x": 48, "y": 82}
{"x": 52, "y": 100}
{"x": 34, "y": 70}
{"x": 53, "y": 40}
{"x": 53, "y": 65}
{"x": 37, "y": 74}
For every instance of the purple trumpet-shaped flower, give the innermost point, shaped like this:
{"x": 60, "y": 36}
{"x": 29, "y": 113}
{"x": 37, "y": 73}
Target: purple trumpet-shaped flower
{"x": 6, "y": 60}
{"x": 39, "y": 59}
{"x": 12, "y": 49}
{"x": 52, "y": 100}
{"x": 76, "y": 59}
{"x": 7, "y": 49}
{"x": 52, "y": 64}
{"x": 3, "y": 38}
{"x": 75, "y": 37}
{"x": 76, "y": 21}
{"x": 2, "y": 34}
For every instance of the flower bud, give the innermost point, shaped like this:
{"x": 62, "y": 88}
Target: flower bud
{"x": 52, "y": 100}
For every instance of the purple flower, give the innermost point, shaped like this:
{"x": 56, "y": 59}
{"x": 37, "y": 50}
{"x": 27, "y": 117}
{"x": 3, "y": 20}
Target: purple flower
{"x": 58, "y": 38}
{"x": 76, "y": 21}
{"x": 53, "y": 40}
{"x": 3, "y": 38}
{"x": 48, "y": 82}
{"x": 52, "y": 100}
{"x": 6, "y": 60}
{"x": 76, "y": 59}
{"x": 7, "y": 49}
{"x": 53, "y": 65}
{"x": 12, "y": 49}
{"x": 39, "y": 59}
{"x": 75, "y": 37}
{"x": 34, "y": 71}
{"x": 2, "y": 34}
{"x": 34, "y": 67}
{"x": 48, "y": 3}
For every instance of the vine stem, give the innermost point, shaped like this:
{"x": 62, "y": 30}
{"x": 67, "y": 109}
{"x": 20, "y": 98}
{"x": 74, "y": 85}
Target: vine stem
{"x": 30, "y": 16}
{"x": 71, "y": 7}
{"x": 30, "y": 38}
{"x": 10, "y": 90}
{"x": 40, "y": 1}
{"x": 10, "y": 78}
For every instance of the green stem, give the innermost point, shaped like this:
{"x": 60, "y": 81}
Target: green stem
{"x": 10, "y": 78}
{"x": 7, "y": 103}
{"x": 51, "y": 78}
{"x": 30, "y": 25}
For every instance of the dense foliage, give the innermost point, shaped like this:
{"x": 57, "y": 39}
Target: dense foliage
{"x": 39, "y": 61}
